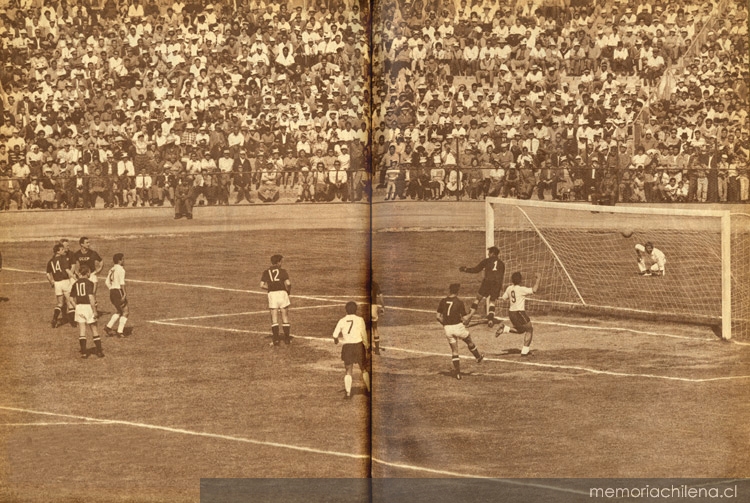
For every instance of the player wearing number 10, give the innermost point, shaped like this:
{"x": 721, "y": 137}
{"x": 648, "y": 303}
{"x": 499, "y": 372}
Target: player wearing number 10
{"x": 494, "y": 272}
{"x": 276, "y": 281}
{"x": 352, "y": 329}
{"x": 451, "y": 313}
{"x": 83, "y": 294}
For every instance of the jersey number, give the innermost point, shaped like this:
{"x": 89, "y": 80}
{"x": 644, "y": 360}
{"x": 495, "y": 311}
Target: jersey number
{"x": 273, "y": 274}
{"x": 494, "y": 267}
{"x": 56, "y": 267}
{"x": 450, "y": 305}
{"x": 351, "y": 324}
{"x": 80, "y": 289}
{"x": 513, "y": 296}
{"x": 112, "y": 276}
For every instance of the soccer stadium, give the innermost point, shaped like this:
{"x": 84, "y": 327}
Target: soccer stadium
{"x": 194, "y": 138}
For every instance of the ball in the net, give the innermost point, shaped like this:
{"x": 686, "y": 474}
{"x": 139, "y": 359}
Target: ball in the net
{"x": 626, "y": 233}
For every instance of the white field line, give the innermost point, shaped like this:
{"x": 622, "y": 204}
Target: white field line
{"x": 24, "y": 282}
{"x": 248, "y": 313}
{"x": 586, "y": 327}
{"x": 474, "y": 476}
{"x": 193, "y": 433}
{"x": 93, "y": 420}
{"x": 60, "y": 423}
{"x": 489, "y": 359}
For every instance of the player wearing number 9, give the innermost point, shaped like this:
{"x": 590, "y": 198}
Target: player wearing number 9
{"x": 352, "y": 329}
{"x": 276, "y": 281}
{"x": 516, "y": 294}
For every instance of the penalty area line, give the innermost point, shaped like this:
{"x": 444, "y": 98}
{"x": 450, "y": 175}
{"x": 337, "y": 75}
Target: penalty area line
{"x": 193, "y": 433}
{"x": 227, "y": 315}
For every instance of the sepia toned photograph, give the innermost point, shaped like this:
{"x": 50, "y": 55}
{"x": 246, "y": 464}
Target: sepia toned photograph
{"x": 400, "y": 250}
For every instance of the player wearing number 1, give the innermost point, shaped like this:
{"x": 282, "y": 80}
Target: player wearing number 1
{"x": 83, "y": 294}
{"x": 516, "y": 294}
{"x": 494, "y": 272}
{"x": 352, "y": 329}
{"x": 451, "y": 313}
{"x": 276, "y": 281}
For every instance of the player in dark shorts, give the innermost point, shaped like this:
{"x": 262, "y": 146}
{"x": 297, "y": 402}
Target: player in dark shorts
{"x": 451, "y": 313}
{"x": 494, "y": 272}
{"x": 88, "y": 257}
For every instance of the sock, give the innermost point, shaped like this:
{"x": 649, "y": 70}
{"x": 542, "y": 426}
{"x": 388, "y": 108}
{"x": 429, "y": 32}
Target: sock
{"x": 275, "y": 333}
{"x": 491, "y": 314}
{"x": 98, "y": 344}
{"x": 287, "y": 332}
{"x": 113, "y": 320}
{"x": 56, "y": 314}
{"x": 506, "y": 329}
{"x": 525, "y": 350}
{"x": 375, "y": 338}
{"x": 348, "y": 383}
{"x": 474, "y": 305}
{"x": 82, "y": 342}
{"x": 457, "y": 363}
{"x": 366, "y": 379}
{"x": 474, "y": 350}
{"x": 121, "y": 326}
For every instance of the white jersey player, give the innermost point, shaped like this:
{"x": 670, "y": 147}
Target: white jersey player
{"x": 352, "y": 329}
{"x": 650, "y": 260}
{"x": 521, "y": 324}
{"x": 115, "y": 281}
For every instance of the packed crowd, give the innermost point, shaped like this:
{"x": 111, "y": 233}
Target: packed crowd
{"x": 602, "y": 101}
{"x": 130, "y": 103}
{"x": 120, "y": 103}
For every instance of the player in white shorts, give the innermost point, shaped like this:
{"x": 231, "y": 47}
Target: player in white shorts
{"x": 276, "y": 281}
{"x": 451, "y": 313}
{"x": 654, "y": 257}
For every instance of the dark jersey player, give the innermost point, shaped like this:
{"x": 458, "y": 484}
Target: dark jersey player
{"x": 83, "y": 294}
{"x": 88, "y": 257}
{"x": 59, "y": 274}
{"x": 494, "y": 271}
{"x": 451, "y": 313}
{"x": 276, "y": 281}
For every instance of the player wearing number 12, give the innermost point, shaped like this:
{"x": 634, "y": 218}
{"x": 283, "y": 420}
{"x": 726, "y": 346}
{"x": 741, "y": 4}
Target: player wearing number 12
{"x": 516, "y": 294}
{"x": 83, "y": 294}
{"x": 352, "y": 329}
{"x": 494, "y": 272}
{"x": 451, "y": 313}
{"x": 276, "y": 281}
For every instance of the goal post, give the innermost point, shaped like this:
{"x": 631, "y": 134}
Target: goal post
{"x": 586, "y": 255}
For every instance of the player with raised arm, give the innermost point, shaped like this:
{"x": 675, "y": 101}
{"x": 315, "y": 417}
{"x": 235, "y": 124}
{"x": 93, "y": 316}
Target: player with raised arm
{"x": 650, "y": 260}
{"x": 516, "y": 294}
{"x": 494, "y": 272}
{"x": 353, "y": 331}
{"x": 451, "y": 313}
{"x": 276, "y": 281}
{"x": 83, "y": 295}
{"x": 377, "y": 307}
{"x": 86, "y": 256}
{"x": 59, "y": 274}
{"x": 115, "y": 281}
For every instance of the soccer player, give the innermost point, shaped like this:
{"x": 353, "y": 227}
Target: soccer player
{"x": 494, "y": 272}
{"x": 351, "y": 328}
{"x": 86, "y": 256}
{"x": 115, "y": 281}
{"x": 59, "y": 275}
{"x": 451, "y": 313}
{"x": 655, "y": 258}
{"x": 276, "y": 281}
{"x": 516, "y": 294}
{"x": 377, "y": 308}
{"x": 83, "y": 294}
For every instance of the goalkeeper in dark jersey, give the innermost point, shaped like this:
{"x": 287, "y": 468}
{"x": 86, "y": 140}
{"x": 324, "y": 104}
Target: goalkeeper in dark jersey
{"x": 494, "y": 272}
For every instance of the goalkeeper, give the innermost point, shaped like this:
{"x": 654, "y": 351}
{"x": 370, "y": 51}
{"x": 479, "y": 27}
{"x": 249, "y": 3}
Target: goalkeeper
{"x": 494, "y": 272}
{"x": 650, "y": 260}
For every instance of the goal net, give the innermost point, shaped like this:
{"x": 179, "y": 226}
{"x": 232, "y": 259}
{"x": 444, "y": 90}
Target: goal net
{"x": 587, "y": 259}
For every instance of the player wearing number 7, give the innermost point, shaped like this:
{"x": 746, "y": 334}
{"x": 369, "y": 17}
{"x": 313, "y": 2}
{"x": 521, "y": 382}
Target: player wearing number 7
{"x": 352, "y": 329}
{"x": 451, "y": 313}
{"x": 276, "y": 281}
{"x": 494, "y": 272}
{"x": 516, "y": 294}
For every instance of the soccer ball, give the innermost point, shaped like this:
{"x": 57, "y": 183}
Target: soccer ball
{"x": 626, "y": 233}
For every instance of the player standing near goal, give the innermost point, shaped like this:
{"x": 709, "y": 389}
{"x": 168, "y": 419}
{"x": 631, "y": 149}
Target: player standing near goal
{"x": 83, "y": 295}
{"x": 516, "y": 294}
{"x": 655, "y": 257}
{"x": 451, "y": 313}
{"x": 377, "y": 307}
{"x": 494, "y": 272}
{"x": 351, "y": 328}
{"x": 59, "y": 275}
{"x": 276, "y": 281}
{"x": 115, "y": 281}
